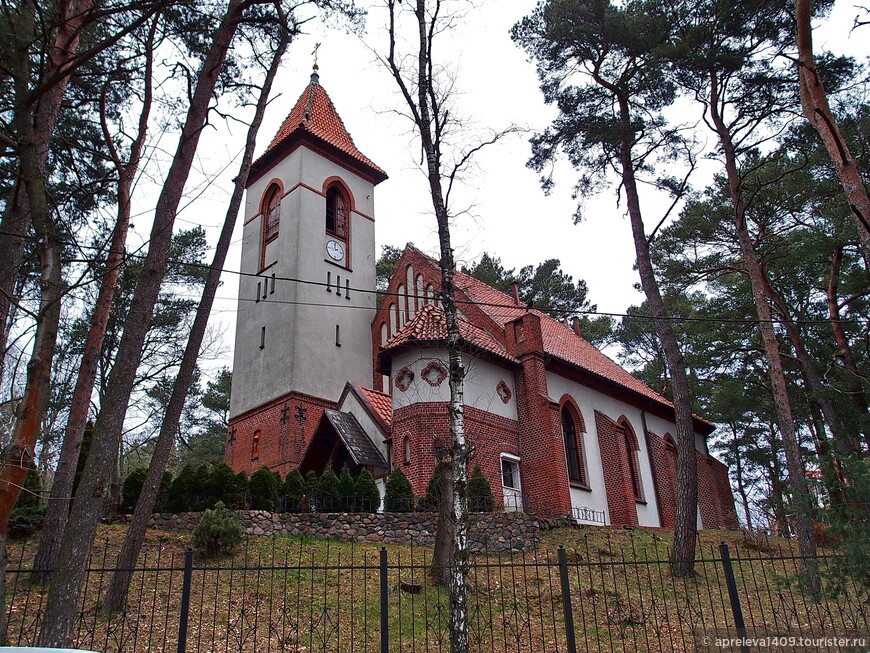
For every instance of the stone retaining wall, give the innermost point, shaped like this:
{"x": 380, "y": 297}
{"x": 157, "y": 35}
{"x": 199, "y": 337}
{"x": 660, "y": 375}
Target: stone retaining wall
{"x": 493, "y": 531}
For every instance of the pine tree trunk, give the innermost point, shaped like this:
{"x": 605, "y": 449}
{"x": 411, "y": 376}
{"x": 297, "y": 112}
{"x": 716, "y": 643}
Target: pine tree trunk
{"x": 89, "y": 502}
{"x": 741, "y": 486}
{"x": 62, "y": 487}
{"x": 685, "y": 522}
{"x": 846, "y": 443}
{"x": 13, "y": 230}
{"x": 116, "y": 595}
{"x": 814, "y": 101}
{"x": 17, "y": 456}
{"x": 854, "y": 385}
{"x": 796, "y": 471}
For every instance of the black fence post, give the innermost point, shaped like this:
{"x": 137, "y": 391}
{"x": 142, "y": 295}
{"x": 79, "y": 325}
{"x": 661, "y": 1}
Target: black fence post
{"x": 185, "y": 601}
{"x": 731, "y": 582}
{"x": 566, "y": 601}
{"x": 385, "y": 626}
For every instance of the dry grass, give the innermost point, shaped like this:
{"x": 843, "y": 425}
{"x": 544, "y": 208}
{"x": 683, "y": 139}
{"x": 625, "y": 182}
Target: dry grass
{"x": 301, "y": 595}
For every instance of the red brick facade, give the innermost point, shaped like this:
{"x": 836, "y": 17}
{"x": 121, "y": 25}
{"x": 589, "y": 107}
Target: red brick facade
{"x": 535, "y": 437}
{"x": 285, "y": 427}
{"x": 425, "y": 423}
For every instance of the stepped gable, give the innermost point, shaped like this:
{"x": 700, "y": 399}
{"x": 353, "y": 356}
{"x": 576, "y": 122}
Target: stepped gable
{"x": 429, "y": 325}
{"x": 314, "y": 118}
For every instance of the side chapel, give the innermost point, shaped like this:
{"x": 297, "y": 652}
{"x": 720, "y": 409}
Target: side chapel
{"x": 325, "y": 373}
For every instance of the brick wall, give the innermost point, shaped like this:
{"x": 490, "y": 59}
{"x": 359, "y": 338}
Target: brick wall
{"x": 543, "y": 467}
{"x": 663, "y": 459}
{"x": 285, "y": 425}
{"x": 621, "y": 502}
{"x": 722, "y": 486}
{"x": 488, "y": 435}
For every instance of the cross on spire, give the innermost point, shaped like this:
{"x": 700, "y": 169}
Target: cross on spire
{"x": 314, "y": 52}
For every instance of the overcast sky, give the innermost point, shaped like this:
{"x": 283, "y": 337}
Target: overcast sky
{"x": 509, "y": 216}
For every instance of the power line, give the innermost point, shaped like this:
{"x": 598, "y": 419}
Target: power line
{"x": 555, "y": 313}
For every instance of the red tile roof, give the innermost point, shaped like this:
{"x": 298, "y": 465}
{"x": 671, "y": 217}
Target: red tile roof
{"x": 381, "y": 403}
{"x": 430, "y": 325}
{"x": 560, "y": 341}
{"x": 315, "y": 114}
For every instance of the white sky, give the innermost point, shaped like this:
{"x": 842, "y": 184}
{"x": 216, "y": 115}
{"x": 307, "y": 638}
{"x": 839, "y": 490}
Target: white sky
{"x": 510, "y": 216}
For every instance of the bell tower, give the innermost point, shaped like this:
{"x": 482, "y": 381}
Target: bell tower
{"x": 306, "y": 292}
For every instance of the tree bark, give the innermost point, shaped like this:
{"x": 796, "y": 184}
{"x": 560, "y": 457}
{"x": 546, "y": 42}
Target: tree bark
{"x": 685, "y": 522}
{"x": 796, "y": 471}
{"x": 88, "y": 504}
{"x": 814, "y": 101}
{"x": 116, "y": 595}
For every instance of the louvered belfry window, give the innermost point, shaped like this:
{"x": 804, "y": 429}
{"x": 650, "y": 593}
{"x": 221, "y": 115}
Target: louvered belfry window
{"x": 272, "y": 213}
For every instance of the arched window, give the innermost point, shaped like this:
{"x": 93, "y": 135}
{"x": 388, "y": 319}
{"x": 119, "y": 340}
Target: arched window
{"x": 271, "y": 214}
{"x": 631, "y": 449}
{"x": 337, "y": 212}
{"x": 573, "y": 448}
{"x": 255, "y": 445}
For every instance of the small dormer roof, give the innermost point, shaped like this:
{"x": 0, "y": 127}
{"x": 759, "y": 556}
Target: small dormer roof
{"x": 314, "y": 121}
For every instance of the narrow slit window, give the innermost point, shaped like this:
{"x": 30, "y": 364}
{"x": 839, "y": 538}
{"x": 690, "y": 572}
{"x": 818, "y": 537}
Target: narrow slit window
{"x": 346, "y": 289}
{"x": 338, "y": 335}
{"x": 257, "y": 299}
{"x": 338, "y": 285}
{"x": 328, "y": 281}
{"x": 272, "y": 285}
{"x": 262, "y": 337}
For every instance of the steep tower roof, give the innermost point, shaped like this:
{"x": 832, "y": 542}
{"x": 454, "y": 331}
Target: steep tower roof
{"x": 315, "y": 122}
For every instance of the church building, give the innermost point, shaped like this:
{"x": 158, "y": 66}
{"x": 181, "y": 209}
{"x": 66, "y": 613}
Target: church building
{"x": 326, "y": 372}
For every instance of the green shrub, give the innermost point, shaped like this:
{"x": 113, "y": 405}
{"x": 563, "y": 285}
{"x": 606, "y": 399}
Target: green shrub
{"x": 264, "y": 486}
{"x": 365, "y": 492}
{"x": 345, "y": 489}
{"x": 312, "y": 485}
{"x": 399, "y": 495}
{"x": 132, "y": 488}
{"x": 183, "y": 492}
{"x": 328, "y": 499}
{"x": 162, "y": 503}
{"x": 480, "y": 498}
{"x": 225, "y": 485}
{"x": 219, "y": 532}
{"x": 432, "y": 498}
{"x": 293, "y": 490}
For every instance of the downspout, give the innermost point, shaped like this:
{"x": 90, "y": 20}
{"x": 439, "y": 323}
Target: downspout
{"x": 652, "y": 467}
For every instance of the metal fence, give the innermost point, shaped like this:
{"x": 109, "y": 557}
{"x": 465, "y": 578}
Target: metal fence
{"x": 285, "y": 594}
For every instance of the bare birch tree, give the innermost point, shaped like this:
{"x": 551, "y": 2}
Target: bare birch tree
{"x": 424, "y": 88}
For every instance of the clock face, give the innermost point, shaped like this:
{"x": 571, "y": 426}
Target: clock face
{"x": 335, "y": 250}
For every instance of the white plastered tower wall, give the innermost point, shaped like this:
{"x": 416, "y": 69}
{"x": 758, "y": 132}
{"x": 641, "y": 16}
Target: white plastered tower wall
{"x": 287, "y": 341}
